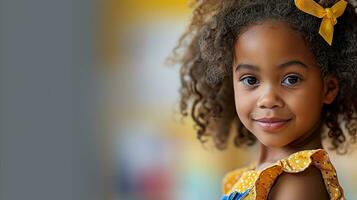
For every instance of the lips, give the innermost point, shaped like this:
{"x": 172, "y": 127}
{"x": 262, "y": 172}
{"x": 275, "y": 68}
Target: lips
{"x": 271, "y": 124}
{"x": 272, "y": 120}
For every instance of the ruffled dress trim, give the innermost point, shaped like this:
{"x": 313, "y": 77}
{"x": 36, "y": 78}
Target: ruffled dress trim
{"x": 256, "y": 184}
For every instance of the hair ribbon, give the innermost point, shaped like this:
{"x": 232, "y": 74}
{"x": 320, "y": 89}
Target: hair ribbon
{"x": 329, "y": 15}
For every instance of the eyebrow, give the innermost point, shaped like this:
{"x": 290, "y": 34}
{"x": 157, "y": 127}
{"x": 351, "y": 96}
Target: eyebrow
{"x": 284, "y": 65}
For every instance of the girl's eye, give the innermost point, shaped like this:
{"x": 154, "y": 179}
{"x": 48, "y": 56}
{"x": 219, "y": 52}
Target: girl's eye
{"x": 249, "y": 81}
{"x": 291, "y": 80}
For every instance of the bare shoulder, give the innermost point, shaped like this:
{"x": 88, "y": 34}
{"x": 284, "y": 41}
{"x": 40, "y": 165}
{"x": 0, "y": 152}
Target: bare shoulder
{"x": 307, "y": 185}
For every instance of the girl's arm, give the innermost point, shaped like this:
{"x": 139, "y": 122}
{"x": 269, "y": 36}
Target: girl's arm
{"x": 306, "y": 185}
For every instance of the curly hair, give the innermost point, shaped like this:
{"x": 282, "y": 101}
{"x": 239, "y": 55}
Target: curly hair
{"x": 205, "y": 53}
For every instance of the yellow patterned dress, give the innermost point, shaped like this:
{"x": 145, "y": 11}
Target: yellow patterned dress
{"x": 250, "y": 184}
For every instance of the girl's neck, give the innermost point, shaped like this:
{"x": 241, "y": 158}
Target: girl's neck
{"x": 269, "y": 155}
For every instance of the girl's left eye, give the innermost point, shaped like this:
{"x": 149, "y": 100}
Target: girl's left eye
{"x": 291, "y": 80}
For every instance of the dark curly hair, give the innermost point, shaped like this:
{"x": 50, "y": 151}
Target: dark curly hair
{"x": 205, "y": 54}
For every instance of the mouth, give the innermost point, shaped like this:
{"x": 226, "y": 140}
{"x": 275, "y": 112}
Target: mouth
{"x": 271, "y": 124}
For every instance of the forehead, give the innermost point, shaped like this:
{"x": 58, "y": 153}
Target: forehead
{"x": 273, "y": 41}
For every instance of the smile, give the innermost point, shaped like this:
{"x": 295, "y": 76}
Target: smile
{"x": 271, "y": 125}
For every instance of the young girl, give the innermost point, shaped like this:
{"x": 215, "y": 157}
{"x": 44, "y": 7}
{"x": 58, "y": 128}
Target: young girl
{"x": 279, "y": 71}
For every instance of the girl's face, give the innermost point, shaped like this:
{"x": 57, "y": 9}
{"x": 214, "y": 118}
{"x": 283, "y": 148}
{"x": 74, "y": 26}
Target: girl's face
{"x": 278, "y": 88}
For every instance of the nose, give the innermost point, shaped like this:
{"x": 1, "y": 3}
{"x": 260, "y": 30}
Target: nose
{"x": 270, "y": 99}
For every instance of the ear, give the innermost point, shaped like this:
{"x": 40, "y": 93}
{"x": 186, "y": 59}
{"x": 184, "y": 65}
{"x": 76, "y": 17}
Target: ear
{"x": 331, "y": 89}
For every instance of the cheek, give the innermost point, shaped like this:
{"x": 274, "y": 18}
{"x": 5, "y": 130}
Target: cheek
{"x": 243, "y": 102}
{"x": 307, "y": 105}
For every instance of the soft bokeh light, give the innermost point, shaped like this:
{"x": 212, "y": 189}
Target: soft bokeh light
{"x": 154, "y": 154}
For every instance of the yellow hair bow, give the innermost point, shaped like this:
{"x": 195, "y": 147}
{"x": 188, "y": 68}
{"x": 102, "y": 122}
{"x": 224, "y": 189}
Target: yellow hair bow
{"x": 329, "y": 15}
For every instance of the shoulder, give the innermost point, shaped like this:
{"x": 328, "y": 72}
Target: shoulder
{"x": 231, "y": 178}
{"x": 307, "y": 185}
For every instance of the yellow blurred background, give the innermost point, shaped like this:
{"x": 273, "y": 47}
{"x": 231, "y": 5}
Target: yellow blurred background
{"x": 150, "y": 152}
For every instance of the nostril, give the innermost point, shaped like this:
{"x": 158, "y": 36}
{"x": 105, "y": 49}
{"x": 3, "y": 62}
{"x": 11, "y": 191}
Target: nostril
{"x": 270, "y": 103}
{"x": 269, "y": 107}
{"x": 269, "y": 98}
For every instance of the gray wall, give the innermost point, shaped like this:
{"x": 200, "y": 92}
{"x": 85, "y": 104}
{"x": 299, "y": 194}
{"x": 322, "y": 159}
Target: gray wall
{"x": 48, "y": 144}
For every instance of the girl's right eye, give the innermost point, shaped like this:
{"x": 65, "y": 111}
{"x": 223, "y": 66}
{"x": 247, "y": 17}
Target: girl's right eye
{"x": 249, "y": 81}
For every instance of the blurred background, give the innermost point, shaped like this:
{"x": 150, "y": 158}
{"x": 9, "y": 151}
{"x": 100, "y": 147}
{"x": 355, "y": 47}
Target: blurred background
{"x": 154, "y": 153}
{"x": 89, "y": 110}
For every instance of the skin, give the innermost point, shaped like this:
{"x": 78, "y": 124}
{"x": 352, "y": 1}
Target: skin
{"x": 275, "y": 74}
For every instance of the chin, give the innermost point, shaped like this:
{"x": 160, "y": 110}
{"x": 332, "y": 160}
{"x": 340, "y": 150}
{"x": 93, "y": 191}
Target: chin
{"x": 272, "y": 142}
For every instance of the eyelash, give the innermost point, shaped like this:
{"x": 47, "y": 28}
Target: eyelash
{"x": 244, "y": 80}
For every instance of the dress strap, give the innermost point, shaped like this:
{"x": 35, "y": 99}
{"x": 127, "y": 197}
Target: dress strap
{"x": 259, "y": 182}
{"x": 296, "y": 163}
